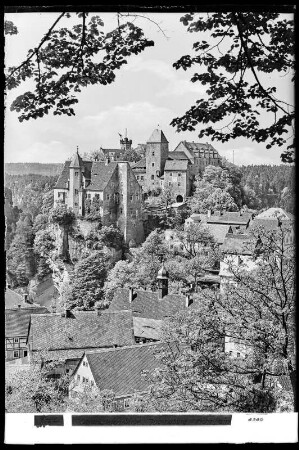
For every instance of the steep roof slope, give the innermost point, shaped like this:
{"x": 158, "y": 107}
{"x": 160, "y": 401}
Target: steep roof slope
{"x": 17, "y": 320}
{"x": 101, "y": 174}
{"x": 83, "y": 329}
{"x": 176, "y": 165}
{"x": 120, "y": 369}
{"x": 147, "y": 304}
{"x": 157, "y": 136}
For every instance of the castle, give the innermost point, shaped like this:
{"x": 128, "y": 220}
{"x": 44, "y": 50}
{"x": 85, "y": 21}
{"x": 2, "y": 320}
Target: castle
{"x": 161, "y": 168}
{"x": 118, "y": 186}
{"x": 112, "y": 185}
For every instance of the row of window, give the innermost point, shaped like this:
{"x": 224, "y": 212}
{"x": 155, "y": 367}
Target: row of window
{"x": 170, "y": 183}
{"x": 85, "y": 380}
{"x": 141, "y": 177}
{"x": 19, "y": 353}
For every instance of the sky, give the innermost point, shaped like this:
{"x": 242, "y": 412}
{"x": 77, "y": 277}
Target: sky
{"x": 148, "y": 92}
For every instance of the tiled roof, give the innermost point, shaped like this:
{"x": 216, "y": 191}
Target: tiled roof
{"x": 200, "y": 149}
{"x": 268, "y": 224}
{"x": 274, "y": 213}
{"x": 65, "y": 174}
{"x": 120, "y": 369}
{"x": 17, "y": 320}
{"x": 218, "y": 231}
{"x": 157, "y": 136}
{"x": 147, "y": 303}
{"x": 101, "y": 174}
{"x": 176, "y": 164}
{"x": 178, "y": 155}
{"x": 12, "y": 299}
{"x": 232, "y": 218}
{"x": 117, "y": 151}
{"x": 237, "y": 244}
{"x": 63, "y": 177}
{"x": 83, "y": 329}
{"x": 140, "y": 164}
{"x": 147, "y": 328}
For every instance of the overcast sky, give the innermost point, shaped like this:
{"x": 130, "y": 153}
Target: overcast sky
{"x": 147, "y": 91}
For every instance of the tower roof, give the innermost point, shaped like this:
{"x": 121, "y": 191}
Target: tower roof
{"x": 163, "y": 273}
{"x": 157, "y": 136}
{"x": 76, "y": 160}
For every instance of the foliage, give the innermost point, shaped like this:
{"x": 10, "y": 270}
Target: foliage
{"x": 241, "y": 47}
{"x": 111, "y": 237}
{"x": 218, "y": 188}
{"x": 30, "y": 390}
{"x": 44, "y": 244}
{"x": 131, "y": 155}
{"x": 65, "y": 218}
{"x": 91, "y": 399}
{"x": 41, "y": 222}
{"x": 20, "y": 256}
{"x": 68, "y": 59}
{"x": 87, "y": 281}
{"x": 12, "y": 214}
{"x": 255, "y": 311}
{"x": 93, "y": 210}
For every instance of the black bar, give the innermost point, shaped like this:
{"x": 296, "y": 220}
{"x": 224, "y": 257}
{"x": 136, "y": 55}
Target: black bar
{"x": 150, "y": 419}
{"x": 44, "y": 420}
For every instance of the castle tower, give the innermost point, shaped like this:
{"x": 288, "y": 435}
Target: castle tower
{"x": 156, "y": 155}
{"x": 162, "y": 282}
{"x": 125, "y": 143}
{"x": 76, "y": 181}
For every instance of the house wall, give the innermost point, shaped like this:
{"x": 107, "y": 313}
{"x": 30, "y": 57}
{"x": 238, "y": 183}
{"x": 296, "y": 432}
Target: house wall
{"x": 179, "y": 181}
{"x": 61, "y": 195}
{"x": 76, "y": 182}
{"x": 156, "y": 155}
{"x": 11, "y": 347}
{"x": 140, "y": 175}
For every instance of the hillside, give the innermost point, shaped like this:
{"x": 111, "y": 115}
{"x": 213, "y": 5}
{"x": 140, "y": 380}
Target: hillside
{"x": 33, "y": 168}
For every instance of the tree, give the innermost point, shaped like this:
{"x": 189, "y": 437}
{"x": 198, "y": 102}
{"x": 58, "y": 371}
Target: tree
{"x": 87, "y": 281}
{"x": 84, "y": 55}
{"x": 31, "y": 390}
{"x": 44, "y": 244}
{"x": 65, "y": 218}
{"x": 256, "y": 311}
{"x": 41, "y": 222}
{"x": 240, "y": 48}
{"x": 93, "y": 210}
{"x": 20, "y": 256}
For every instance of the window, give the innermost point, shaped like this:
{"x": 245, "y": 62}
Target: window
{"x": 85, "y": 364}
{"x": 230, "y": 353}
{"x": 25, "y": 353}
{"x": 179, "y": 174}
{"x": 137, "y": 196}
{"x": 121, "y": 210}
{"x": 76, "y": 204}
{"x": 153, "y": 153}
{"x": 88, "y": 195}
{"x": 238, "y": 355}
{"x": 170, "y": 174}
{"x": 107, "y": 197}
{"x": 153, "y": 164}
{"x": 131, "y": 198}
{"x": 85, "y": 380}
{"x": 16, "y": 354}
{"x": 152, "y": 177}
{"x": 169, "y": 184}
{"x": 126, "y": 402}
{"x": 76, "y": 191}
{"x": 141, "y": 177}
{"x": 16, "y": 340}
{"x": 137, "y": 177}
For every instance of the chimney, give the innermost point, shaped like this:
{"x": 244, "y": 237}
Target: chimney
{"x": 131, "y": 293}
{"x": 188, "y": 300}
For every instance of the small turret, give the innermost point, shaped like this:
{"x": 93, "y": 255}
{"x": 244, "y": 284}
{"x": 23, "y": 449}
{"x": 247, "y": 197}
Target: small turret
{"x": 162, "y": 278}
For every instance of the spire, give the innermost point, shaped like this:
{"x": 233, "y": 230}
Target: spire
{"x": 157, "y": 136}
{"x": 76, "y": 159}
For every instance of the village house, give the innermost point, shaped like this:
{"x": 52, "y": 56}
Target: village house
{"x": 17, "y": 321}
{"x": 118, "y": 370}
{"x": 111, "y": 185}
{"x": 66, "y": 336}
{"x": 150, "y": 308}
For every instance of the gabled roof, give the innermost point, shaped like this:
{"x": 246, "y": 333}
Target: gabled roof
{"x": 237, "y": 244}
{"x": 268, "y": 224}
{"x": 117, "y": 151}
{"x": 65, "y": 174}
{"x": 139, "y": 164}
{"x": 148, "y": 328}
{"x": 147, "y": 304}
{"x": 178, "y": 155}
{"x": 200, "y": 149}
{"x": 17, "y": 320}
{"x": 231, "y": 217}
{"x": 120, "y": 369}
{"x": 275, "y": 213}
{"x": 218, "y": 231}
{"x": 176, "y": 164}
{"x": 101, "y": 174}
{"x": 83, "y": 329}
{"x": 157, "y": 136}
{"x": 12, "y": 299}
